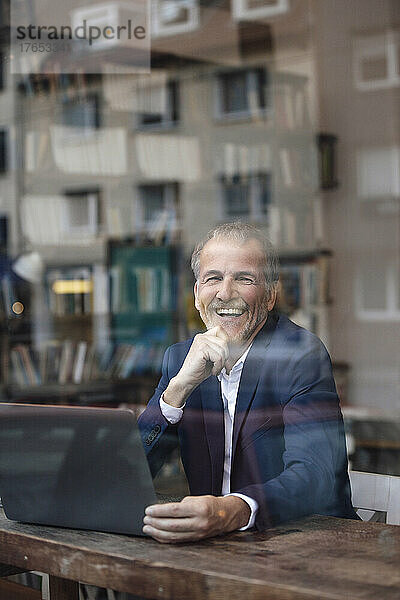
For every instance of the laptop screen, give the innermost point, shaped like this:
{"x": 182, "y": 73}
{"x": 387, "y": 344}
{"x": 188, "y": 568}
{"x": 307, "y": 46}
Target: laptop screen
{"x": 74, "y": 467}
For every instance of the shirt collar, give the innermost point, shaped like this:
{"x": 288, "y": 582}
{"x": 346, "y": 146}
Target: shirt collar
{"x": 238, "y": 366}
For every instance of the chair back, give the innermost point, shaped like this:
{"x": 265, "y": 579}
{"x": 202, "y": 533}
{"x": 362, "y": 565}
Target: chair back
{"x": 377, "y": 493}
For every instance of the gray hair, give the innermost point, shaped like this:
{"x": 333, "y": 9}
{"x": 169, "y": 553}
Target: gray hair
{"x": 241, "y": 233}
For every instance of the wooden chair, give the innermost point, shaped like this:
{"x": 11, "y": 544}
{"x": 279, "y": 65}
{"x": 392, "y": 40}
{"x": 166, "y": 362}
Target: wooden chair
{"x": 9, "y": 590}
{"x": 377, "y": 496}
{"x": 12, "y": 590}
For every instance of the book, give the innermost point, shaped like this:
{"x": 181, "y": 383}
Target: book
{"x": 66, "y": 362}
{"x": 79, "y": 361}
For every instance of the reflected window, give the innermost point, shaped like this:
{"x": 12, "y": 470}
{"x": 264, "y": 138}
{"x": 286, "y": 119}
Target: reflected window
{"x": 258, "y": 9}
{"x": 169, "y": 116}
{"x": 242, "y": 92}
{"x": 170, "y": 17}
{"x": 377, "y": 61}
{"x": 246, "y": 196}
{"x": 377, "y": 290}
{"x": 158, "y": 204}
{"x": 236, "y": 197}
{"x": 81, "y": 112}
{"x": 81, "y": 212}
{"x": 378, "y": 172}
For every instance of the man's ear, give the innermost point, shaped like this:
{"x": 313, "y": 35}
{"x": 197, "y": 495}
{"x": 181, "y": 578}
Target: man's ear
{"x": 272, "y": 298}
{"x": 196, "y": 292}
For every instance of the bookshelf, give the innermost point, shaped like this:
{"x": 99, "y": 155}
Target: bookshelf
{"x": 304, "y": 288}
{"x": 277, "y": 179}
{"x": 290, "y": 102}
{"x": 69, "y": 291}
{"x": 143, "y": 292}
{"x": 15, "y": 315}
{"x": 276, "y": 176}
{"x": 303, "y": 165}
{"x": 80, "y": 358}
{"x": 107, "y": 328}
{"x": 294, "y": 163}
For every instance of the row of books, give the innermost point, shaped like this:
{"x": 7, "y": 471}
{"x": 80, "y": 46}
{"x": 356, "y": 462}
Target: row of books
{"x": 140, "y": 288}
{"x": 68, "y": 362}
{"x": 69, "y": 291}
{"x": 303, "y": 295}
{"x": 291, "y": 108}
{"x": 289, "y": 228}
{"x": 78, "y": 291}
{"x": 304, "y": 286}
{"x": 296, "y": 169}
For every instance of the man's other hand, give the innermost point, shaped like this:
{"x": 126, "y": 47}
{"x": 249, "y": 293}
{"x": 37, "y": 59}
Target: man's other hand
{"x": 195, "y": 518}
{"x": 207, "y": 356}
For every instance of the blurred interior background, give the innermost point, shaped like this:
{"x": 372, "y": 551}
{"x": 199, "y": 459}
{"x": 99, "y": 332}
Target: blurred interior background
{"x": 281, "y": 113}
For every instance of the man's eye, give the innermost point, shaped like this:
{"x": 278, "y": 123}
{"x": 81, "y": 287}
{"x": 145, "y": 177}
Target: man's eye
{"x": 214, "y": 278}
{"x": 246, "y": 279}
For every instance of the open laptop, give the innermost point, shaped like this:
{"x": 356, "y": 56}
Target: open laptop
{"x": 74, "y": 467}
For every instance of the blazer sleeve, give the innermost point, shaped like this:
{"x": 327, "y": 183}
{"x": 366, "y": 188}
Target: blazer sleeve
{"x": 314, "y": 478}
{"x": 158, "y": 436}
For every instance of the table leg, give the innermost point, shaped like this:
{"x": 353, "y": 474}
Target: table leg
{"x": 63, "y": 589}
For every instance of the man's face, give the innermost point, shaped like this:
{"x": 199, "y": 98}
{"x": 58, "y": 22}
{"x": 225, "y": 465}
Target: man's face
{"x": 231, "y": 290}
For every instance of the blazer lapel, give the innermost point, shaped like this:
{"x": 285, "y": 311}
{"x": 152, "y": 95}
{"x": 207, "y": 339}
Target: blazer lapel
{"x": 214, "y": 427}
{"x": 251, "y": 375}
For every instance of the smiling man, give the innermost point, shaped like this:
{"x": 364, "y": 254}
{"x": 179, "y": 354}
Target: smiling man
{"x": 251, "y": 403}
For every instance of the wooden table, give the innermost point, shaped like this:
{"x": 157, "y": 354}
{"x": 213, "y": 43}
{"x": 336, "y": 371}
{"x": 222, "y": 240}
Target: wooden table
{"x": 316, "y": 558}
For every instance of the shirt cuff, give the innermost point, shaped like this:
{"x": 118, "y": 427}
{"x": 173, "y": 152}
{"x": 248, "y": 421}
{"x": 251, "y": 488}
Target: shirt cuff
{"x": 171, "y": 413}
{"x": 253, "y": 504}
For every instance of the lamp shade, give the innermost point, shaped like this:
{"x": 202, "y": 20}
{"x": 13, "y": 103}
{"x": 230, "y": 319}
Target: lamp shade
{"x": 29, "y": 267}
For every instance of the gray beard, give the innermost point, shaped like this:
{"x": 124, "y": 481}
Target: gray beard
{"x": 248, "y": 329}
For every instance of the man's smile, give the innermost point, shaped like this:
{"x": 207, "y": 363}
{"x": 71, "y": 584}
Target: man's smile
{"x": 230, "y": 312}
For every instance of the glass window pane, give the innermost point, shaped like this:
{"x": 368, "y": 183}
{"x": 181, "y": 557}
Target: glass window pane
{"x": 153, "y": 201}
{"x": 170, "y": 114}
{"x": 374, "y": 285}
{"x": 374, "y": 67}
{"x": 78, "y": 208}
{"x": 236, "y": 199}
{"x": 234, "y": 92}
{"x": 80, "y": 112}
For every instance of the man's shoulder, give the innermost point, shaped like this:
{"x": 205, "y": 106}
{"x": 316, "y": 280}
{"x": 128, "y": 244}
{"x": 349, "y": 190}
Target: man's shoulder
{"x": 289, "y": 328}
{"x": 295, "y": 337}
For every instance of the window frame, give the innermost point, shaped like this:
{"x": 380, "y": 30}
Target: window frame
{"x": 171, "y": 118}
{"x": 170, "y": 202}
{"x": 254, "y": 182}
{"x": 372, "y": 46}
{"x": 85, "y": 129}
{"x": 257, "y": 87}
{"x": 391, "y": 312}
{"x": 160, "y": 29}
{"x": 241, "y": 10}
{"x": 90, "y": 229}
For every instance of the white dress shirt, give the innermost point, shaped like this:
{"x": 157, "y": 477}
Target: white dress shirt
{"x": 229, "y": 390}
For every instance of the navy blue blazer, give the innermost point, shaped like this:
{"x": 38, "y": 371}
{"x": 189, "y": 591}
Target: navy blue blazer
{"x": 289, "y": 450}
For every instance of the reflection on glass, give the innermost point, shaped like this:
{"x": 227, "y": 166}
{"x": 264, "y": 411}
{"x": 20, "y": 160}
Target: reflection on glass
{"x": 275, "y": 112}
